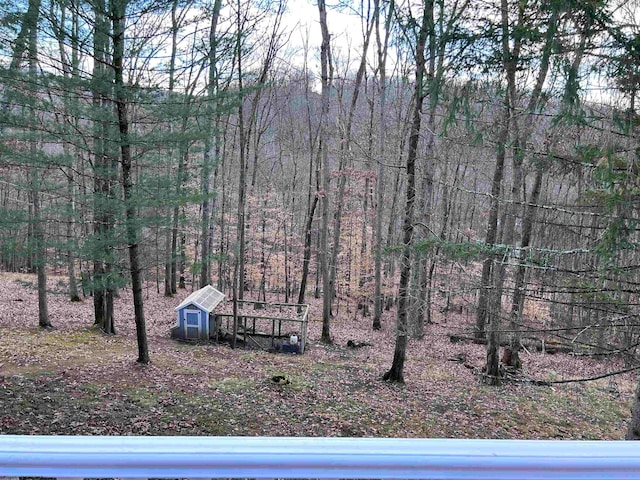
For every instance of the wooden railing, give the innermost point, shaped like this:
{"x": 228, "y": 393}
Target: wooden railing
{"x": 309, "y": 458}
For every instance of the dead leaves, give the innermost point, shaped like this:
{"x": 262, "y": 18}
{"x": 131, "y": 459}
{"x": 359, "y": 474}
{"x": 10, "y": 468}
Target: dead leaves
{"x": 77, "y": 381}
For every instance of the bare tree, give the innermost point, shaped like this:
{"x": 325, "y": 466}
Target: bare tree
{"x": 382, "y": 41}
{"x": 314, "y": 189}
{"x": 396, "y": 372}
{"x": 211, "y": 146}
{"x": 345, "y": 156}
{"x": 326, "y": 77}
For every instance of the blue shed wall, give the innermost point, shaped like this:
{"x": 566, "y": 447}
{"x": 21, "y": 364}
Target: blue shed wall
{"x": 203, "y": 324}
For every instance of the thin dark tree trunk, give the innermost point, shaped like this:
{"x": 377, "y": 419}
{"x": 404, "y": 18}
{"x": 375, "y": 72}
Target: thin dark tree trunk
{"x": 345, "y": 162}
{"x": 74, "y": 295}
{"x": 31, "y": 22}
{"x": 490, "y": 294}
{"x": 31, "y": 263}
{"x": 169, "y": 270}
{"x": 511, "y": 211}
{"x": 70, "y": 70}
{"x": 486, "y": 302}
{"x": 173, "y": 275}
{"x": 97, "y": 287}
{"x": 396, "y": 372}
{"x": 382, "y": 44}
{"x": 104, "y": 171}
{"x": 210, "y": 158}
{"x": 313, "y": 194}
{"x": 517, "y": 303}
{"x": 307, "y": 250}
{"x": 633, "y": 430}
{"x": 214, "y": 204}
{"x": 177, "y": 257}
{"x": 168, "y": 259}
{"x": 118, "y": 15}
{"x": 242, "y": 180}
{"x": 426, "y": 206}
{"x": 239, "y": 263}
{"x": 222, "y": 270}
{"x": 286, "y": 231}
{"x": 364, "y": 269}
{"x": 262, "y": 289}
{"x": 41, "y": 252}
{"x": 323, "y": 254}
{"x": 434, "y": 73}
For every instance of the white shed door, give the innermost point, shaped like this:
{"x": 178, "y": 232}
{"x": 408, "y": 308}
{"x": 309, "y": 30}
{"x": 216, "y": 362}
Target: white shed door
{"x": 192, "y": 323}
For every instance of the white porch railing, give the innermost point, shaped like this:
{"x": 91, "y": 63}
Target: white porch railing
{"x": 310, "y": 458}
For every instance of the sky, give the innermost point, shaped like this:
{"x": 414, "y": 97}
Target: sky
{"x": 345, "y": 27}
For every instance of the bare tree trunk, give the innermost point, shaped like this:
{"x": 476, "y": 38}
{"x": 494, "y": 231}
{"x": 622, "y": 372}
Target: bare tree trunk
{"x": 517, "y": 303}
{"x": 426, "y": 206}
{"x": 118, "y": 17}
{"x": 239, "y": 279}
{"x": 169, "y": 270}
{"x": 168, "y": 257}
{"x": 211, "y": 147}
{"x": 173, "y": 275}
{"x": 70, "y": 70}
{"x": 633, "y": 431}
{"x": 486, "y": 301}
{"x": 382, "y": 45}
{"x": 391, "y": 230}
{"x": 345, "y": 161}
{"x": 489, "y": 309}
{"x": 31, "y": 25}
{"x": 239, "y": 263}
{"x": 262, "y": 289}
{"x": 395, "y": 374}
{"x": 313, "y": 194}
{"x": 364, "y": 267}
{"x": 41, "y": 252}
{"x": 104, "y": 174}
{"x": 178, "y": 256}
{"x": 326, "y": 76}
{"x": 286, "y": 232}
{"x": 307, "y": 250}
{"x": 223, "y": 264}
{"x": 175, "y": 222}
{"x": 493, "y": 274}
{"x": 426, "y": 199}
{"x": 74, "y": 294}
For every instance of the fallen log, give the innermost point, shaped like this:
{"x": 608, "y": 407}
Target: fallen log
{"x": 533, "y": 343}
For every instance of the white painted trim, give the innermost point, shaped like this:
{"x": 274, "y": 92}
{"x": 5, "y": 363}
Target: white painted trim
{"x": 321, "y": 458}
{"x": 185, "y": 311}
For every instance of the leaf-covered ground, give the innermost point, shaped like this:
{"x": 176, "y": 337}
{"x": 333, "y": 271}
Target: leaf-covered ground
{"x": 75, "y": 380}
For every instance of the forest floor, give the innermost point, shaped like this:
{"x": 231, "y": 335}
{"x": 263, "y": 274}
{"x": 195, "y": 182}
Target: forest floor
{"x": 75, "y": 380}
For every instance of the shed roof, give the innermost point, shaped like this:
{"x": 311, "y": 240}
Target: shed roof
{"x": 207, "y": 298}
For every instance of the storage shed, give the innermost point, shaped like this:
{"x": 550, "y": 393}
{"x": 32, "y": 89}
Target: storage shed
{"x": 195, "y": 319}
